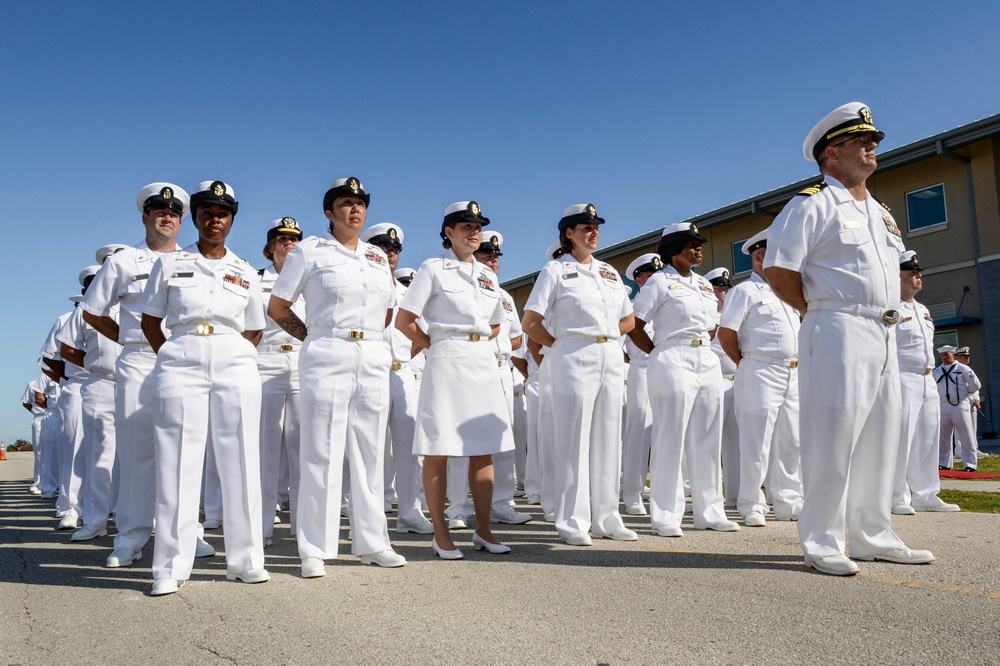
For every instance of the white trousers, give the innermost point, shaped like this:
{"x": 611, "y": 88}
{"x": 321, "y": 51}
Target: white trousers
{"x": 520, "y": 423}
{"x": 134, "y": 395}
{"x": 546, "y": 435}
{"x": 533, "y": 457}
{"x": 211, "y": 487}
{"x": 767, "y": 410}
{"x": 99, "y": 480}
{"x": 36, "y": 438}
{"x": 638, "y": 435}
{"x": 849, "y": 425}
{"x": 730, "y": 453}
{"x": 915, "y": 480}
{"x": 71, "y": 455}
{"x": 957, "y": 420}
{"x": 344, "y": 411}
{"x": 685, "y": 391}
{"x": 49, "y": 448}
{"x": 207, "y": 394}
{"x": 279, "y": 432}
{"x": 587, "y": 382}
{"x": 401, "y": 424}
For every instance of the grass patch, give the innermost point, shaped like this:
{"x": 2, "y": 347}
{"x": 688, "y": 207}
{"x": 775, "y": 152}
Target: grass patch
{"x": 973, "y": 501}
{"x": 988, "y": 465}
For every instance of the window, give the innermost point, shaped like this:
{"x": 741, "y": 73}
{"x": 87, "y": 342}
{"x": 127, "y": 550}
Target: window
{"x": 741, "y": 262}
{"x": 926, "y": 208}
{"x": 942, "y": 338}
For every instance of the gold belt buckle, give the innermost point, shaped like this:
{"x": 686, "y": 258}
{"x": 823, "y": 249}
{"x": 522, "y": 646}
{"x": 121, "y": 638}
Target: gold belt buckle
{"x": 927, "y": 371}
{"x": 396, "y": 365}
{"x": 286, "y": 348}
{"x": 602, "y": 338}
{"x": 499, "y": 363}
{"x": 355, "y": 334}
{"x": 697, "y": 342}
{"x": 204, "y": 329}
{"x": 473, "y": 337}
{"x": 890, "y": 317}
{"x": 794, "y": 363}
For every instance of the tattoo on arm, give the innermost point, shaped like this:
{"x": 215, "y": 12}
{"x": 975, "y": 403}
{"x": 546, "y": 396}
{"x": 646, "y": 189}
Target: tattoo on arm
{"x": 293, "y": 326}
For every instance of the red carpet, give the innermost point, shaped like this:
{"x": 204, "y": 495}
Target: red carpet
{"x": 952, "y": 474}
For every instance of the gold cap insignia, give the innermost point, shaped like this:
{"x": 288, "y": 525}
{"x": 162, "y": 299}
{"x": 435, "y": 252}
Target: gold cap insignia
{"x": 657, "y": 263}
{"x": 218, "y": 188}
{"x": 353, "y": 184}
{"x": 725, "y": 274}
{"x": 392, "y": 233}
{"x": 496, "y": 241}
{"x": 167, "y": 193}
{"x": 914, "y": 259}
{"x": 694, "y": 228}
{"x": 865, "y": 114}
{"x": 591, "y": 211}
{"x": 289, "y": 223}
{"x": 474, "y": 208}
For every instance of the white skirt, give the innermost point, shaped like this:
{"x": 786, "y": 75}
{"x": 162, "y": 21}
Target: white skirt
{"x": 461, "y": 410}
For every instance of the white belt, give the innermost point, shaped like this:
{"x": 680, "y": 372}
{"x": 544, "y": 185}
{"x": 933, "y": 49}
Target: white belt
{"x": 916, "y": 369}
{"x": 774, "y": 360}
{"x": 682, "y": 342}
{"x": 875, "y": 313}
{"x": 465, "y": 337}
{"x": 285, "y": 348}
{"x": 203, "y": 328}
{"x": 356, "y": 334}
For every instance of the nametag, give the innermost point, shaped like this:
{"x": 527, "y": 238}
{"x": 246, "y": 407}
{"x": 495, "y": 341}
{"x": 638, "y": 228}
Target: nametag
{"x": 852, "y": 225}
{"x": 183, "y": 274}
{"x": 136, "y": 278}
{"x": 567, "y": 276}
{"x": 767, "y": 301}
{"x": 676, "y": 285}
{"x": 266, "y": 290}
{"x": 906, "y": 319}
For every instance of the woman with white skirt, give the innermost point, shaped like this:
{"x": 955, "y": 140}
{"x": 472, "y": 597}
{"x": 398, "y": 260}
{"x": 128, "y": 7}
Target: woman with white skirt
{"x": 461, "y": 411}
{"x": 580, "y": 309}
{"x": 685, "y": 385}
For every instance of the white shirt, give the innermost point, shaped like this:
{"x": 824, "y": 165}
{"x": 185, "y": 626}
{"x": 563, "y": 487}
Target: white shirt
{"x": 99, "y": 352}
{"x": 846, "y": 250}
{"x": 585, "y": 300}
{"x": 184, "y": 288}
{"x": 914, "y": 337}
{"x": 342, "y": 288}
{"x": 763, "y": 323}
{"x": 677, "y": 307}
{"x": 455, "y": 297}
{"x": 274, "y": 335}
{"x": 121, "y": 281}
{"x": 955, "y": 383}
{"x": 399, "y": 344}
{"x": 510, "y": 327}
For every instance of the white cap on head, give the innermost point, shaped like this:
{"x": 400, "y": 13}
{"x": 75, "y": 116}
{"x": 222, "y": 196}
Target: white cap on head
{"x": 755, "y": 242}
{"x": 284, "y": 225}
{"x": 650, "y": 262}
{"x": 163, "y": 195}
{"x": 946, "y": 349}
{"x": 718, "y": 276}
{"x": 851, "y": 118}
{"x": 87, "y": 272}
{"x": 550, "y": 253}
{"x": 683, "y": 230}
{"x": 108, "y": 250}
{"x": 489, "y": 236}
{"x": 393, "y": 231}
{"x": 404, "y": 273}
{"x": 76, "y": 298}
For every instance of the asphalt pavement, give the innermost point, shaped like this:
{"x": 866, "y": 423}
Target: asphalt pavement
{"x": 704, "y": 598}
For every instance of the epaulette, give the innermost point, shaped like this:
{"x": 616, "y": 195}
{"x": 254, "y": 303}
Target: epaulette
{"x": 881, "y": 203}
{"x": 261, "y": 272}
{"x": 811, "y": 190}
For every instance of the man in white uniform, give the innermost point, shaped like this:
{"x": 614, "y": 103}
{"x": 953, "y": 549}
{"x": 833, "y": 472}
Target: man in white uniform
{"x": 759, "y": 333}
{"x": 956, "y": 383}
{"x": 719, "y": 279}
{"x": 833, "y": 254}
{"x": 34, "y": 401}
{"x": 964, "y": 356}
{"x": 916, "y": 483}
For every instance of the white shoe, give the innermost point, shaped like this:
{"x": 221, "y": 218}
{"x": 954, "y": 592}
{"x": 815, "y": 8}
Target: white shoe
{"x": 722, "y": 526}
{"x": 456, "y": 523}
{"x": 203, "y": 548}
{"x": 508, "y": 516}
{"x": 901, "y": 556}
{"x": 69, "y": 522}
{"x": 755, "y": 519}
{"x": 212, "y": 524}
{"x": 980, "y": 455}
{"x": 388, "y": 558}
{"x": 519, "y": 491}
{"x": 533, "y": 500}
{"x": 834, "y": 565}
{"x": 903, "y": 510}
{"x": 122, "y": 557}
{"x": 88, "y": 532}
{"x": 162, "y": 586}
{"x": 578, "y": 539}
{"x": 418, "y": 528}
{"x": 493, "y": 548}
{"x": 621, "y": 534}
{"x": 645, "y": 493}
{"x": 250, "y": 576}
{"x": 455, "y": 554}
{"x": 668, "y": 531}
{"x": 268, "y": 541}
{"x": 940, "y": 506}
{"x": 35, "y": 490}
{"x": 549, "y": 517}
{"x": 636, "y": 509}
{"x": 277, "y": 520}
{"x": 313, "y": 567}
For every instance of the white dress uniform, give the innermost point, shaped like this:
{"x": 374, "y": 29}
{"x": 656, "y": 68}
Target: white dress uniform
{"x": 98, "y": 426}
{"x": 916, "y": 482}
{"x": 49, "y": 437}
{"x": 638, "y": 426}
{"x": 582, "y": 305}
{"x": 37, "y": 415}
{"x": 730, "y": 450}
{"x": 533, "y": 459}
{"x": 345, "y": 367}
{"x": 955, "y": 385}
{"x": 685, "y": 392}
{"x": 69, "y": 505}
{"x": 280, "y": 414}
{"x": 458, "y": 302}
{"x": 847, "y": 252}
{"x": 767, "y": 398}
{"x": 207, "y": 393}
{"x": 120, "y": 282}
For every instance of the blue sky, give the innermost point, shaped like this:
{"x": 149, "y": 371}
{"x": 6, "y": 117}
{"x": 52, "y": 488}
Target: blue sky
{"x": 653, "y": 111}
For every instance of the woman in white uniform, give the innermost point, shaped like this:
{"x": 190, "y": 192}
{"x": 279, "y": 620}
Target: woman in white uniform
{"x": 207, "y": 392}
{"x": 685, "y": 385}
{"x": 579, "y": 308}
{"x": 461, "y": 410}
{"x": 278, "y": 364}
{"x": 347, "y": 288}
